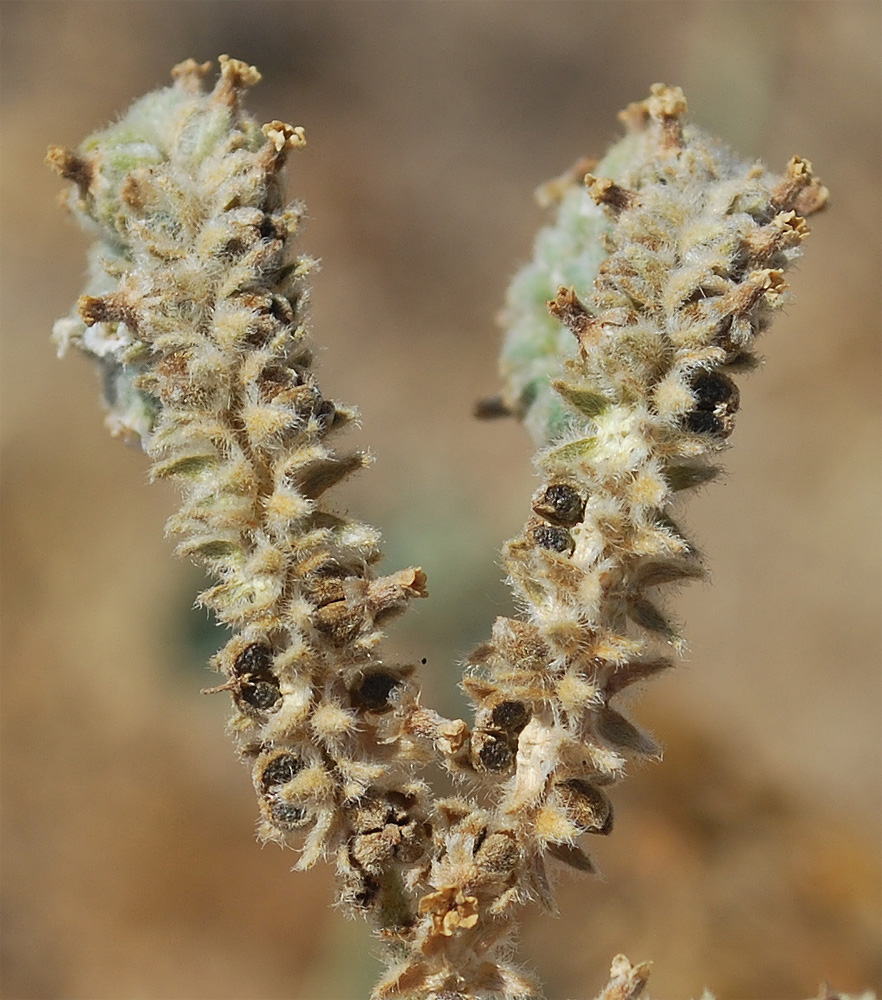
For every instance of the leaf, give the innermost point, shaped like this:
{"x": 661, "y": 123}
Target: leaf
{"x": 616, "y": 729}
{"x": 582, "y": 398}
{"x": 572, "y": 452}
{"x": 653, "y": 573}
{"x": 573, "y": 856}
{"x": 682, "y": 477}
{"x": 208, "y": 548}
{"x": 323, "y": 473}
{"x": 631, "y": 673}
{"x": 647, "y": 616}
{"x": 186, "y": 465}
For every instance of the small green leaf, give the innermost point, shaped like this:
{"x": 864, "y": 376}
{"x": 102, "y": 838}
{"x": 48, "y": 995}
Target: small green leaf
{"x": 188, "y": 465}
{"x": 585, "y": 400}
{"x": 209, "y": 548}
{"x": 572, "y": 451}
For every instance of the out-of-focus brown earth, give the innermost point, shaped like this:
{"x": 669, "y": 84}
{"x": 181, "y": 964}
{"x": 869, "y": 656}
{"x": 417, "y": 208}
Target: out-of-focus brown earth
{"x": 749, "y": 860}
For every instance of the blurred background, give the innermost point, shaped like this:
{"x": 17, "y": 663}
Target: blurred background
{"x": 748, "y": 861}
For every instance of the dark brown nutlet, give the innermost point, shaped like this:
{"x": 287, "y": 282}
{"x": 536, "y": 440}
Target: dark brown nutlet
{"x": 280, "y": 770}
{"x": 548, "y": 536}
{"x": 587, "y": 806}
{"x": 716, "y": 403}
{"x": 510, "y": 716}
{"x": 373, "y": 692}
{"x": 259, "y": 687}
{"x": 491, "y": 751}
{"x": 286, "y": 815}
{"x": 254, "y": 659}
{"x": 561, "y": 504}
{"x": 261, "y": 693}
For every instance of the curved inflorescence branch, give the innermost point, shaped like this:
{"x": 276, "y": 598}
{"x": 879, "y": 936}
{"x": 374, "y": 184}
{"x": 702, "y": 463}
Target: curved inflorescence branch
{"x": 196, "y": 314}
{"x": 624, "y": 337}
{"x": 653, "y": 284}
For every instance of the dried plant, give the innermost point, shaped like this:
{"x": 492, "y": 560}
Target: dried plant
{"x": 624, "y": 337}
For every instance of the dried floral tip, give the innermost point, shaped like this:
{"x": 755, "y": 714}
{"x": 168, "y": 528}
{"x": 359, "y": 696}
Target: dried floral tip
{"x": 799, "y": 189}
{"x": 571, "y": 311}
{"x": 71, "y": 167}
{"x": 605, "y": 192}
{"x": 553, "y": 191}
{"x": 627, "y": 981}
{"x": 284, "y": 136}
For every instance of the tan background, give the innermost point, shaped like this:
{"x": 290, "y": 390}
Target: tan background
{"x": 747, "y": 861}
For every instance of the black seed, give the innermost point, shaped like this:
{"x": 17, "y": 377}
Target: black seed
{"x": 550, "y": 537}
{"x": 267, "y": 227}
{"x": 702, "y": 422}
{"x": 511, "y": 716}
{"x": 261, "y": 693}
{"x": 280, "y": 770}
{"x": 716, "y": 402}
{"x": 712, "y": 389}
{"x": 373, "y": 692}
{"x": 561, "y": 504}
{"x": 286, "y": 815}
{"x": 495, "y": 754}
{"x": 254, "y": 659}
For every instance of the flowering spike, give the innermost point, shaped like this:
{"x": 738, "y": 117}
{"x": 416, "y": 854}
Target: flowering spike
{"x": 624, "y": 339}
